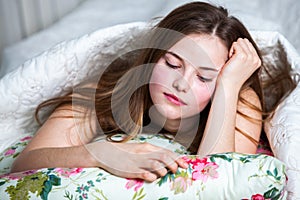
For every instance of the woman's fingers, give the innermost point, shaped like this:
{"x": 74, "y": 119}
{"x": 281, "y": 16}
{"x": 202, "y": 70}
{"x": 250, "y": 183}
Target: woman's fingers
{"x": 245, "y": 45}
{"x": 139, "y": 173}
{"x": 171, "y": 160}
{"x": 250, "y": 51}
{"x": 161, "y": 161}
{"x": 182, "y": 163}
{"x": 147, "y": 176}
{"x": 255, "y": 57}
{"x": 144, "y": 161}
{"x": 243, "y": 61}
{"x": 157, "y": 167}
{"x": 237, "y": 53}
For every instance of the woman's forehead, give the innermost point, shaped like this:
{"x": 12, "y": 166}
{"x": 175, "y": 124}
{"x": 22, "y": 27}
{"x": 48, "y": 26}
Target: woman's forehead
{"x": 201, "y": 51}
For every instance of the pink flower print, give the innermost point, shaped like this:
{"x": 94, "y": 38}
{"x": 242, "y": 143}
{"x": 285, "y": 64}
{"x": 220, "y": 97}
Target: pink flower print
{"x": 84, "y": 195}
{"x": 11, "y": 176}
{"x": 68, "y": 172}
{"x": 204, "y": 170}
{"x": 194, "y": 160}
{"x": 26, "y": 138}
{"x": 76, "y": 171}
{"x": 257, "y": 197}
{"x": 9, "y": 152}
{"x": 29, "y": 172}
{"x": 136, "y": 183}
{"x": 18, "y": 175}
{"x": 60, "y": 171}
{"x": 180, "y": 184}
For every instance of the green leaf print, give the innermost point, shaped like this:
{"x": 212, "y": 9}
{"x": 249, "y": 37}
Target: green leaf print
{"x": 69, "y": 196}
{"x": 274, "y": 174}
{"x": 15, "y": 155}
{"x": 54, "y": 180}
{"x": 222, "y": 156}
{"x": 273, "y": 194}
{"x": 32, "y": 183}
{"x": 46, "y": 190}
{"x": 2, "y": 183}
{"x": 168, "y": 176}
{"x": 245, "y": 159}
{"x": 139, "y": 195}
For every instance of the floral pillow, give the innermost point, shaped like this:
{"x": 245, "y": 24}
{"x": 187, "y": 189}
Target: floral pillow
{"x": 217, "y": 176}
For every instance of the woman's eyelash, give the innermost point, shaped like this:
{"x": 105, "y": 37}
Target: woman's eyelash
{"x": 201, "y": 78}
{"x": 171, "y": 65}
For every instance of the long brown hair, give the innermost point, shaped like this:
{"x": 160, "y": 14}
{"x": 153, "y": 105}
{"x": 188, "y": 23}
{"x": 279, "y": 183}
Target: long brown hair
{"x": 195, "y": 17}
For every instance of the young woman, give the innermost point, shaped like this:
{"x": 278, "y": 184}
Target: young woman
{"x": 199, "y": 80}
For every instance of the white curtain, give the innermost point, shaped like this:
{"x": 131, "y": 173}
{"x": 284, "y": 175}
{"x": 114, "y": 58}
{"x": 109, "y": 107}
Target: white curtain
{"x": 21, "y": 18}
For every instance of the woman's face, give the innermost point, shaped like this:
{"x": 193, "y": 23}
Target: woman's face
{"x": 184, "y": 79}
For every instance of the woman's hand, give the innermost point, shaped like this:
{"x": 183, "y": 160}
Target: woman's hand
{"x": 219, "y": 134}
{"x": 242, "y": 63}
{"x": 132, "y": 160}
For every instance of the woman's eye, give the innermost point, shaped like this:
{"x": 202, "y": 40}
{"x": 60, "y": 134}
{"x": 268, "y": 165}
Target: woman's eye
{"x": 171, "y": 65}
{"x": 202, "y": 79}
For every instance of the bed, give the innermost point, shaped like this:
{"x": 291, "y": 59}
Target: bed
{"x": 56, "y": 70}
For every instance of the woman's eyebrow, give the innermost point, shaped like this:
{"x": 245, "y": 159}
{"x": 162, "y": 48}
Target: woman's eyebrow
{"x": 200, "y": 67}
{"x": 175, "y": 55}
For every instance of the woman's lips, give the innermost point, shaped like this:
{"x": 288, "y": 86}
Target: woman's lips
{"x": 172, "y": 98}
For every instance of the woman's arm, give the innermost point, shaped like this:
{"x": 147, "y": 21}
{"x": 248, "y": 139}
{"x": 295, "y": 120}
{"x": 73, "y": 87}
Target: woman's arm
{"x": 60, "y": 142}
{"x": 252, "y": 127}
{"x": 219, "y": 134}
{"x": 67, "y": 157}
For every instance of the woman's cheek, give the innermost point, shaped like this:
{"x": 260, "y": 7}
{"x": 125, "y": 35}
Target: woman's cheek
{"x": 203, "y": 95}
{"x": 163, "y": 76}
{"x": 158, "y": 74}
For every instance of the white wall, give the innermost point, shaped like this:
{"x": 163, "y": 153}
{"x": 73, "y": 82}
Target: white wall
{"x": 22, "y": 18}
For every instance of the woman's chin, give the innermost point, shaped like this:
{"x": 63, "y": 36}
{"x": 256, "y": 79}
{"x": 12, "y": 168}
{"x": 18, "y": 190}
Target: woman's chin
{"x": 170, "y": 114}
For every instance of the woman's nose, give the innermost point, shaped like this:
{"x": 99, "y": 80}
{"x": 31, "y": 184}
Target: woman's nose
{"x": 181, "y": 84}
